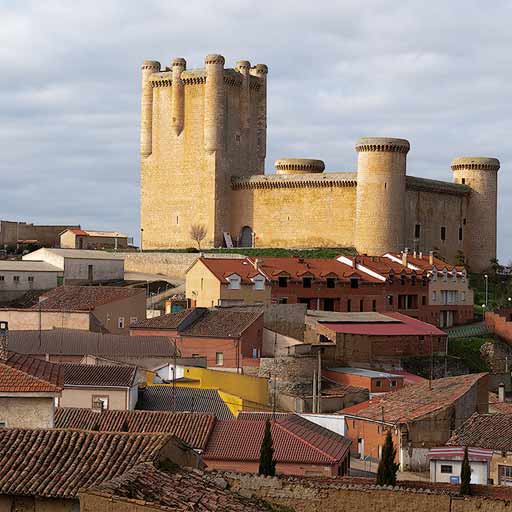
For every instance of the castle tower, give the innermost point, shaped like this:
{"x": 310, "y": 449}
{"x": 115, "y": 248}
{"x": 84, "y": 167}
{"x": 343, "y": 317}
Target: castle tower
{"x": 380, "y": 197}
{"x": 199, "y": 129}
{"x": 481, "y": 175}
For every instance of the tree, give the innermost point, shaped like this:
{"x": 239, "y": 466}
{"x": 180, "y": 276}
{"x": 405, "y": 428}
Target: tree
{"x": 198, "y": 233}
{"x": 267, "y": 462}
{"x": 465, "y": 475}
{"x": 386, "y": 473}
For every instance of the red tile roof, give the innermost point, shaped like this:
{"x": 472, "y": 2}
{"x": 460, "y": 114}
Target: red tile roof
{"x": 404, "y": 326}
{"x": 98, "y": 375}
{"x": 416, "y": 401}
{"x": 423, "y": 263}
{"x": 24, "y": 374}
{"x": 168, "y": 321}
{"x": 492, "y": 431}
{"x": 382, "y": 265}
{"x": 57, "y": 463}
{"x": 180, "y": 491}
{"x": 78, "y": 232}
{"x": 221, "y": 268}
{"x": 193, "y": 428}
{"x": 84, "y": 298}
{"x": 295, "y": 439}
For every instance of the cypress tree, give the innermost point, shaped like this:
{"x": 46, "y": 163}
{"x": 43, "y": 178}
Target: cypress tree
{"x": 386, "y": 473}
{"x": 267, "y": 462}
{"x": 465, "y": 475}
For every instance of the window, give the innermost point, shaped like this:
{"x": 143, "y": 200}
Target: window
{"x": 133, "y": 320}
{"x": 377, "y": 383}
{"x": 219, "y": 358}
{"x": 2, "y": 278}
{"x": 445, "y": 275}
{"x": 423, "y": 300}
{"x": 463, "y": 181}
{"x": 202, "y": 283}
{"x": 120, "y": 322}
{"x": 462, "y": 296}
{"x": 234, "y": 282}
{"x": 374, "y": 305}
{"x": 460, "y": 233}
{"x": 195, "y": 355}
{"x": 30, "y": 279}
{"x": 464, "y": 222}
{"x": 443, "y": 233}
{"x": 390, "y": 300}
{"x": 16, "y": 279}
{"x": 413, "y": 280}
{"x": 417, "y": 231}
{"x": 259, "y": 283}
{"x": 349, "y": 305}
{"x": 177, "y": 219}
{"x": 445, "y": 468}
{"x": 354, "y": 282}
{"x": 393, "y": 383}
{"x": 331, "y": 282}
{"x": 282, "y": 300}
{"x": 402, "y": 279}
{"x": 361, "y": 305}
{"x": 283, "y": 282}
{"x": 306, "y": 282}
{"x": 434, "y": 296}
{"x": 100, "y": 402}
{"x": 3, "y": 424}
{"x": 434, "y": 274}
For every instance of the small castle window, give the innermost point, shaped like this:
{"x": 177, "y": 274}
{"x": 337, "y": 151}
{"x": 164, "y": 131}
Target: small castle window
{"x": 177, "y": 220}
{"x": 417, "y": 231}
{"x": 460, "y": 233}
{"x": 237, "y": 137}
{"x": 443, "y": 233}
{"x": 464, "y": 222}
{"x": 390, "y": 300}
{"x": 463, "y": 181}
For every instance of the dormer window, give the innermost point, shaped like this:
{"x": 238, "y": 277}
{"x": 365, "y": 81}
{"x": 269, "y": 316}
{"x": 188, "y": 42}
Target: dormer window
{"x": 234, "y": 282}
{"x": 354, "y": 282}
{"x": 445, "y": 275}
{"x": 413, "y": 280}
{"x": 464, "y": 276}
{"x": 434, "y": 274}
{"x": 306, "y": 282}
{"x": 331, "y": 282}
{"x": 454, "y": 275}
{"x": 283, "y": 282}
{"x": 402, "y": 279}
{"x": 259, "y": 282}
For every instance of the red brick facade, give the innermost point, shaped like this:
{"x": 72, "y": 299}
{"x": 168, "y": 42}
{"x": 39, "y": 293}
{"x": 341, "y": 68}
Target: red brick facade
{"x": 372, "y": 384}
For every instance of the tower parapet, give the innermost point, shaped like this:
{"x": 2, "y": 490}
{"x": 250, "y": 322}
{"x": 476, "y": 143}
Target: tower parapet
{"x": 380, "y": 209}
{"x": 299, "y": 166}
{"x": 479, "y": 232}
{"x": 146, "y": 118}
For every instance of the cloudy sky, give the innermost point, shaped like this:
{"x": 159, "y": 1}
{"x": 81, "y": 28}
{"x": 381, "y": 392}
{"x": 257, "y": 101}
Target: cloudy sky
{"x": 437, "y": 73}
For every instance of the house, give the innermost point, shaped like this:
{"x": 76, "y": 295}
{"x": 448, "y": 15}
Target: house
{"x": 357, "y": 338}
{"x": 82, "y": 239}
{"x": 420, "y": 417}
{"x": 446, "y": 464}
{"x": 145, "y": 487}
{"x": 450, "y": 299}
{"x": 489, "y": 432}
{"x": 81, "y": 266}
{"x": 19, "y": 277}
{"x": 73, "y": 346}
{"x": 43, "y": 470}
{"x": 113, "y": 308}
{"x": 322, "y": 284}
{"x": 28, "y": 388}
{"x": 301, "y": 446}
{"x": 373, "y": 381}
{"x": 213, "y": 282}
{"x": 227, "y": 337}
{"x": 46, "y": 235}
{"x": 99, "y": 387}
{"x": 169, "y": 398}
{"x": 194, "y": 428}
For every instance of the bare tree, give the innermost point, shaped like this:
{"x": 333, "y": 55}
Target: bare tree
{"x": 198, "y": 233}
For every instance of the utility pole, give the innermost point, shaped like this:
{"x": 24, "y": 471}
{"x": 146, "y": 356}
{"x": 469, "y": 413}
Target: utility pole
{"x": 313, "y": 408}
{"x": 431, "y": 362}
{"x": 319, "y": 385}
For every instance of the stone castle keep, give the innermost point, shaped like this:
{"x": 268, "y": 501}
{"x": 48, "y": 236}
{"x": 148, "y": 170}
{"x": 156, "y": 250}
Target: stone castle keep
{"x": 203, "y": 147}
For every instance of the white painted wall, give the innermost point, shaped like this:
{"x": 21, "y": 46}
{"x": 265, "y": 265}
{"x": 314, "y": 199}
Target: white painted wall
{"x": 479, "y": 471}
{"x": 331, "y": 422}
{"x": 42, "y": 280}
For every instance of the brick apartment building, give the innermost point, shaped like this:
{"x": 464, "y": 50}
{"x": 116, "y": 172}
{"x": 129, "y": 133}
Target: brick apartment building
{"x": 228, "y": 338}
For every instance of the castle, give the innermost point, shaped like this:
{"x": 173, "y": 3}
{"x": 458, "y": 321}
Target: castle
{"x": 203, "y": 147}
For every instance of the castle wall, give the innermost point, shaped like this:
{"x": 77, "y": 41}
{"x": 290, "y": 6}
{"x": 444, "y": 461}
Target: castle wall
{"x": 296, "y": 217}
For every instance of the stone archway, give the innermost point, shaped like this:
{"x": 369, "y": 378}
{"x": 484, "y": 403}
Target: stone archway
{"x": 246, "y": 237}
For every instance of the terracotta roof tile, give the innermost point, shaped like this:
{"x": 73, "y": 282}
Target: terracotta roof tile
{"x": 224, "y": 267}
{"x": 193, "y": 428}
{"x": 24, "y": 374}
{"x": 296, "y": 440}
{"x": 491, "y": 431}
{"x": 57, "y": 463}
{"x": 168, "y": 321}
{"x": 415, "y": 401}
{"x": 222, "y": 323}
{"x": 98, "y": 375}
{"x": 84, "y": 298}
{"x": 180, "y": 491}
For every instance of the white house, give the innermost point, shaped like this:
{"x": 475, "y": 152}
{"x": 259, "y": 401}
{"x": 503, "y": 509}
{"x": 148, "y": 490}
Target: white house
{"x": 81, "y": 266}
{"x": 446, "y": 464}
{"x": 19, "y": 277}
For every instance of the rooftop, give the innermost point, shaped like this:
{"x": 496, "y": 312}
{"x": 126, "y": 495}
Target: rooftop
{"x": 415, "y": 401}
{"x": 75, "y": 342}
{"x": 167, "y": 321}
{"x": 181, "y": 491}
{"x": 57, "y": 463}
{"x": 160, "y": 398}
{"x": 295, "y": 439}
{"x": 422, "y": 261}
{"x": 27, "y": 266}
{"x": 98, "y": 375}
{"x": 403, "y": 325}
{"x": 107, "y": 234}
{"x": 75, "y": 254}
{"x": 356, "y": 317}
{"x": 24, "y": 374}
{"x": 363, "y": 372}
{"x": 491, "y": 431}
{"x": 85, "y": 298}
{"x": 221, "y": 268}
{"x": 193, "y": 428}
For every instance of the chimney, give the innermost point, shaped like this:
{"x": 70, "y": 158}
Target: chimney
{"x": 421, "y": 255}
{"x": 414, "y": 254}
{"x": 501, "y": 392}
{"x": 256, "y": 263}
{"x": 404, "y": 257}
{"x": 4, "y": 332}
{"x": 431, "y": 257}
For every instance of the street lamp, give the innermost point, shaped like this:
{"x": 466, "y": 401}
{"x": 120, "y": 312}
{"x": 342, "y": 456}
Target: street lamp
{"x": 486, "y": 277}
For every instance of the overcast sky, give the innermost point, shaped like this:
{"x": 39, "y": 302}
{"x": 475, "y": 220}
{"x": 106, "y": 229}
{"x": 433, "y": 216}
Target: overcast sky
{"x": 437, "y": 73}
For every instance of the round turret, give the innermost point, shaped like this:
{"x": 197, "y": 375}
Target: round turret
{"x": 178, "y": 95}
{"x": 146, "y": 118}
{"x": 299, "y": 166}
{"x": 380, "y": 215}
{"x": 479, "y": 226}
{"x": 214, "y": 102}
{"x": 243, "y": 66}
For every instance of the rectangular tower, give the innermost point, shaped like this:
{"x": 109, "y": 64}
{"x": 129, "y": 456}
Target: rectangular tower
{"x": 199, "y": 128}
